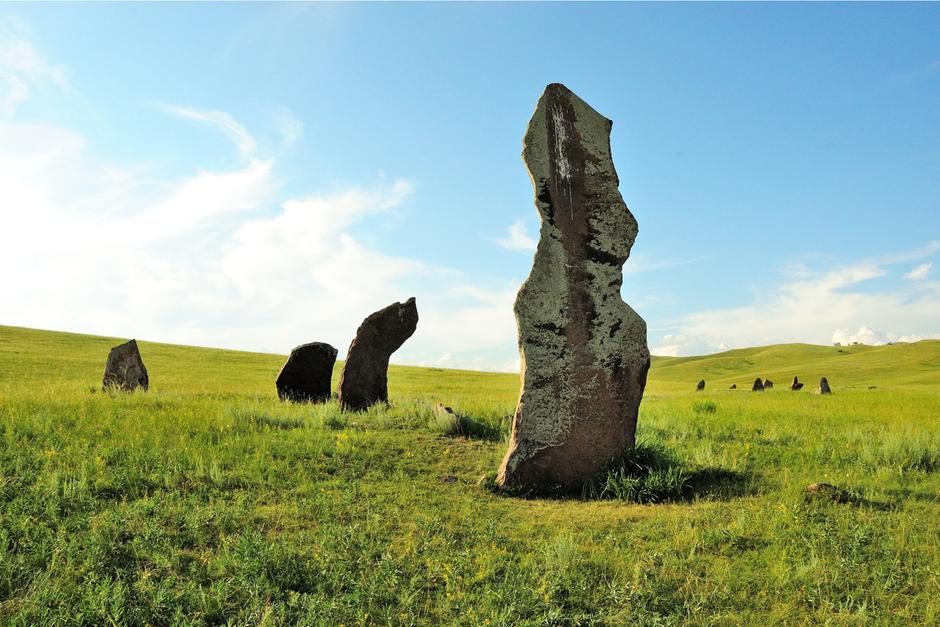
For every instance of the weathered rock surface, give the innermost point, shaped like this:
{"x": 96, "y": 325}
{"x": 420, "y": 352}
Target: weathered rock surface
{"x": 758, "y": 385}
{"x": 734, "y": 386}
{"x": 796, "y": 385}
{"x": 125, "y": 368}
{"x": 824, "y": 386}
{"x": 584, "y": 351}
{"x": 700, "y": 386}
{"x": 305, "y": 376}
{"x": 768, "y": 384}
{"x": 364, "y": 380}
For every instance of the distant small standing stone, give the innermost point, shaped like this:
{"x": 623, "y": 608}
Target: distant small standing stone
{"x": 700, "y": 386}
{"x": 824, "y": 386}
{"x": 768, "y": 384}
{"x": 364, "y": 380}
{"x": 125, "y": 369}
{"x": 734, "y": 386}
{"x": 796, "y": 385}
{"x": 306, "y": 375}
{"x": 758, "y": 385}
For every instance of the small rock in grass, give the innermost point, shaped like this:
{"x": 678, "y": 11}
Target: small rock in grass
{"x": 700, "y": 386}
{"x": 796, "y": 386}
{"x": 829, "y": 492}
{"x": 734, "y": 386}
{"x": 768, "y": 384}
{"x": 758, "y": 385}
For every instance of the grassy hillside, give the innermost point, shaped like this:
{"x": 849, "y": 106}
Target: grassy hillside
{"x": 206, "y": 500}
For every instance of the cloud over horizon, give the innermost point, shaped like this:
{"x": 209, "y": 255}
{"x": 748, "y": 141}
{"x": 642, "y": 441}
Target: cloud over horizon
{"x": 820, "y": 308}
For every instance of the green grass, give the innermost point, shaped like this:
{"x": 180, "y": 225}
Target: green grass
{"x": 207, "y": 501}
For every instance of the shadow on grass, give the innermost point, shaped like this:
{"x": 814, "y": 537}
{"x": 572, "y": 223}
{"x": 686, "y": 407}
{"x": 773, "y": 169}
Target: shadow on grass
{"x": 649, "y": 474}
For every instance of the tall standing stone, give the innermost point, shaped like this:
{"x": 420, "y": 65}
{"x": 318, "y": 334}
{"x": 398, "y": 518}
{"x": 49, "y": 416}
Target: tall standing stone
{"x": 364, "y": 380}
{"x": 306, "y": 375}
{"x": 824, "y": 386}
{"x": 125, "y": 369}
{"x": 584, "y": 351}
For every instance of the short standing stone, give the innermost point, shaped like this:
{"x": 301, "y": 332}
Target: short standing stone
{"x": 584, "y": 351}
{"x": 796, "y": 385}
{"x": 364, "y": 380}
{"x": 700, "y": 386}
{"x": 758, "y": 385}
{"x": 125, "y": 368}
{"x": 768, "y": 384}
{"x": 734, "y": 386}
{"x": 824, "y": 386}
{"x": 306, "y": 375}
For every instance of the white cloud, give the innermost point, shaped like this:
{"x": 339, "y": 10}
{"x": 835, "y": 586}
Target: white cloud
{"x": 920, "y": 272}
{"x": 215, "y": 258}
{"x": 22, "y": 67}
{"x": 818, "y": 308}
{"x": 517, "y": 238}
{"x": 222, "y": 121}
{"x": 288, "y": 126}
{"x": 196, "y": 260}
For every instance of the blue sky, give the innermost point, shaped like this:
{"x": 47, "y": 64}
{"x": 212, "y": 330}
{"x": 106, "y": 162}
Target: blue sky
{"x": 260, "y": 175}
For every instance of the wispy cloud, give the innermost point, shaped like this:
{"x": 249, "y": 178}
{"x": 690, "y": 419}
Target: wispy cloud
{"x": 222, "y": 121}
{"x": 22, "y": 68}
{"x": 288, "y": 126}
{"x": 517, "y": 238}
{"x": 920, "y": 272}
{"x": 818, "y": 307}
{"x": 219, "y": 257}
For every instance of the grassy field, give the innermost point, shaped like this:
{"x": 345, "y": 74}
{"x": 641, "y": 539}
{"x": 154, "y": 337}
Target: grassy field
{"x": 205, "y": 500}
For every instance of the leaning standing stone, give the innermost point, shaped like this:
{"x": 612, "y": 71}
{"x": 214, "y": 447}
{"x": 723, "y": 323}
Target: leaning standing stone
{"x": 306, "y": 375}
{"x": 768, "y": 384}
{"x": 125, "y": 369}
{"x": 758, "y": 385}
{"x": 584, "y": 351}
{"x": 824, "y": 386}
{"x": 364, "y": 380}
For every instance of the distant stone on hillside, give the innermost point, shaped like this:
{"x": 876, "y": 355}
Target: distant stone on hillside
{"x": 584, "y": 351}
{"x": 758, "y": 385}
{"x": 125, "y": 368}
{"x": 768, "y": 384}
{"x": 734, "y": 386}
{"x": 824, "y": 387}
{"x": 796, "y": 385}
{"x": 700, "y": 386}
{"x": 305, "y": 376}
{"x": 364, "y": 380}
